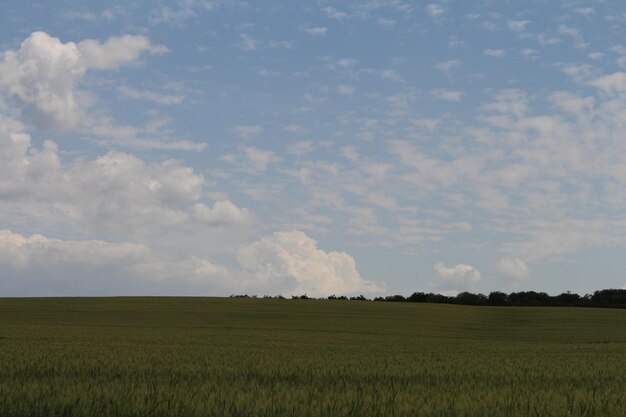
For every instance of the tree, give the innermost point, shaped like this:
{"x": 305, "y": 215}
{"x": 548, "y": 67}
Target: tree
{"x": 497, "y": 298}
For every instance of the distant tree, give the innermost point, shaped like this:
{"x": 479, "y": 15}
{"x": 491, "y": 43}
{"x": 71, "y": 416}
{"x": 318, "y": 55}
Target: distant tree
{"x": 300, "y": 297}
{"x": 438, "y": 298}
{"x": 529, "y": 298}
{"x": 567, "y": 299}
{"x": 612, "y": 298}
{"x": 418, "y": 297}
{"x": 497, "y": 298}
{"x": 609, "y": 298}
{"x": 468, "y": 298}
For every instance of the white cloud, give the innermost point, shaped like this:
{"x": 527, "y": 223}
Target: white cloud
{"x": 154, "y": 135}
{"x": 386, "y": 22}
{"x": 166, "y": 99}
{"x": 389, "y": 74}
{"x": 293, "y": 128}
{"x": 435, "y": 10}
{"x": 116, "y": 51}
{"x": 115, "y": 192}
{"x": 291, "y": 262}
{"x": 248, "y": 130}
{"x": 40, "y": 266}
{"x": 514, "y": 270}
{"x": 301, "y": 148}
{"x": 490, "y": 26}
{"x": 572, "y": 103}
{"x": 346, "y": 89}
{"x": 613, "y": 83}
{"x": 179, "y": 11}
{"x": 258, "y": 159}
{"x": 247, "y": 42}
{"x": 509, "y": 101}
{"x": 281, "y": 44}
{"x": 573, "y": 33}
{"x": 42, "y": 76}
{"x": 79, "y": 15}
{"x": 448, "y": 95}
{"x": 586, "y": 11}
{"x": 544, "y": 39}
{"x": 346, "y": 62}
{"x": 447, "y": 66}
{"x": 317, "y": 31}
{"x": 456, "y": 278}
{"x": 283, "y": 263}
{"x": 546, "y": 239}
{"x": 517, "y": 25}
{"x": 426, "y": 123}
{"x": 494, "y": 53}
{"x": 529, "y": 53}
{"x": 222, "y": 213}
{"x": 334, "y": 13}
{"x": 385, "y": 74}
{"x": 579, "y": 72}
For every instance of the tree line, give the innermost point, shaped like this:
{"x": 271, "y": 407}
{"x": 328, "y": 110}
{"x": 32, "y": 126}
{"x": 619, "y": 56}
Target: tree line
{"x": 608, "y": 298}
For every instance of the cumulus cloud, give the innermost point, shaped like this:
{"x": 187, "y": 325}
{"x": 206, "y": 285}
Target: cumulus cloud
{"x": 222, "y": 212}
{"x": 116, "y": 51}
{"x": 285, "y": 262}
{"x": 572, "y": 103}
{"x": 456, "y": 278}
{"x": 114, "y": 191}
{"x": 513, "y": 270}
{"x": 39, "y": 266}
{"x": 42, "y": 76}
{"x": 291, "y": 262}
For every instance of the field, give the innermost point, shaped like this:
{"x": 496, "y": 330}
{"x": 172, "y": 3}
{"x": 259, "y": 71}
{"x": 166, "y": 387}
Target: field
{"x": 260, "y": 357}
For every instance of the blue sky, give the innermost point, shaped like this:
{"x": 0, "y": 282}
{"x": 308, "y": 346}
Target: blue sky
{"x": 376, "y": 147}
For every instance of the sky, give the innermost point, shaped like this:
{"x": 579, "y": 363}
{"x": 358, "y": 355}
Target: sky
{"x": 312, "y": 147}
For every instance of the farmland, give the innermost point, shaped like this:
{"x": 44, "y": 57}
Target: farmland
{"x": 266, "y": 357}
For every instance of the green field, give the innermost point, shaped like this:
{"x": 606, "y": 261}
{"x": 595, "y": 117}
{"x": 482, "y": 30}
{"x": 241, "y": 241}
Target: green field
{"x": 255, "y": 357}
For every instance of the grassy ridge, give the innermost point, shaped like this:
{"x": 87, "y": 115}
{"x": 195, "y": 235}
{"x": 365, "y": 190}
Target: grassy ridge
{"x": 243, "y": 357}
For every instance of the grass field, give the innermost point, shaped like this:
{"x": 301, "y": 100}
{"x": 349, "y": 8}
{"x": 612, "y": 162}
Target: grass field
{"x": 255, "y": 357}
